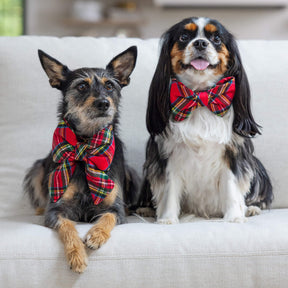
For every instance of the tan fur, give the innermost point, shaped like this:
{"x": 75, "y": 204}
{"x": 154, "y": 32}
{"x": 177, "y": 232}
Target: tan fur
{"x": 88, "y": 103}
{"x": 110, "y": 198}
{"x": 54, "y": 82}
{"x": 210, "y": 28}
{"x": 73, "y": 245}
{"x": 118, "y": 67}
{"x": 191, "y": 26}
{"x": 37, "y": 184}
{"x": 103, "y": 80}
{"x": 176, "y": 58}
{"x": 88, "y": 80}
{"x": 244, "y": 183}
{"x": 57, "y": 70}
{"x": 112, "y": 104}
{"x": 100, "y": 232}
{"x": 54, "y": 72}
{"x": 70, "y": 192}
{"x": 224, "y": 56}
{"x": 129, "y": 180}
{"x": 39, "y": 211}
{"x": 145, "y": 212}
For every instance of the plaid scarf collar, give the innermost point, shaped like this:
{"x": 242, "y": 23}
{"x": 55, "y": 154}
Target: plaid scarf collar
{"x": 97, "y": 153}
{"x": 218, "y": 99}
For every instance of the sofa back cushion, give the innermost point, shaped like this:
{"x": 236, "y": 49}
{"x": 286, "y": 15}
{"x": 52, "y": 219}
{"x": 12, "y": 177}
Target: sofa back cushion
{"x": 28, "y": 104}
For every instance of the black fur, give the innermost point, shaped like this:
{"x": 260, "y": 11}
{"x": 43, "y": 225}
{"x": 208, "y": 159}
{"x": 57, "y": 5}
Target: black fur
{"x": 154, "y": 166}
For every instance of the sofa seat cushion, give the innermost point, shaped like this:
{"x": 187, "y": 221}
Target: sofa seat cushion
{"x": 198, "y": 252}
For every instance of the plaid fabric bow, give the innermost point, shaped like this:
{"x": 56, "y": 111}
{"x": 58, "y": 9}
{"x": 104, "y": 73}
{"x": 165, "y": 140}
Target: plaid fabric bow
{"x": 97, "y": 153}
{"x": 218, "y": 99}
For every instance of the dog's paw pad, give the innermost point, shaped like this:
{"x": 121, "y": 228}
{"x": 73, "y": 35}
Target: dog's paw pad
{"x": 253, "y": 211}
{"x": 168, "y": 221}
{"x": 96, "y": 238}
{"x": 145, "y": 212}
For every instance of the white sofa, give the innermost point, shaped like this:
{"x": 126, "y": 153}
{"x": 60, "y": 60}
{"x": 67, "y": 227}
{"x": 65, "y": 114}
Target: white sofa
{"x": 197, "y": 253}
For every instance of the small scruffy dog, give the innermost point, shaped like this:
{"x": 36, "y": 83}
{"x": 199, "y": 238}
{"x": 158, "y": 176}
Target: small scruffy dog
{"x": 85, "y": 173}
{"x": 199, "y": 157}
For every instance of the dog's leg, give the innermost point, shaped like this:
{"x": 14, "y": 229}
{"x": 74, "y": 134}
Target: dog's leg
{"x": 33, "y": 186}
{"x": 74, "y": 247}
{"x": 168, "y": 202}
{"x": 234, "y": 207}
{"x": 100, "y": 232}
{"x": 113, "y": 213}
{"x": 58, "y": 217}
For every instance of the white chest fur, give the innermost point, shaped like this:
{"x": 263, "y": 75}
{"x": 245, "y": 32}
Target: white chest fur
{"x": 195, "y": 170}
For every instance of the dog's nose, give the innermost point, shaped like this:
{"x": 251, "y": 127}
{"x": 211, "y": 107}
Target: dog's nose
{"x": 200, "y": 44}
{"x": 102, "y": 104}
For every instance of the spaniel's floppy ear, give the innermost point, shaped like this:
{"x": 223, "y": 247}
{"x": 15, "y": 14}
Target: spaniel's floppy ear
{"x": 123, "y": 64}
{"x": 244, "y": 123}
{"x": 158, "y": 109}
{"x": 56, "y": 71}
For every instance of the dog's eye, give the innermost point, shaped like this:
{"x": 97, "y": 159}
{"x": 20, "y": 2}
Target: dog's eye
{"x": 109, "y": 86}
{"x": 82, "y": 87}
{"x": 184, "y": 38}
{"x": 216, "y": 39}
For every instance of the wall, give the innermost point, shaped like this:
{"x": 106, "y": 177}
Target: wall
{"x": 244, "y": 23}
{"x": 49, "y": 18}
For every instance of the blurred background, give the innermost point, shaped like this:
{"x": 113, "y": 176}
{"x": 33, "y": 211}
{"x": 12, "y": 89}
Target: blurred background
{"x": 246, "y": 19}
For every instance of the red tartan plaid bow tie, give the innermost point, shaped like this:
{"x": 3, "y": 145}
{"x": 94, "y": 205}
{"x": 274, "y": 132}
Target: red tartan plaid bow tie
{"x": 97, "y": 153}
{"x": 218, "y": 99}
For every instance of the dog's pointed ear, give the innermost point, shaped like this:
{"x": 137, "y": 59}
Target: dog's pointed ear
{"x": 123, "y": 64}
{"x": 56, "y": 71}
{"x": 244, "y": 123}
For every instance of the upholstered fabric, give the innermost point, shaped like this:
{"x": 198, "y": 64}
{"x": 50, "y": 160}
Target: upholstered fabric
{"x": 203, "y": 253}
{"x": 200, "y": 253}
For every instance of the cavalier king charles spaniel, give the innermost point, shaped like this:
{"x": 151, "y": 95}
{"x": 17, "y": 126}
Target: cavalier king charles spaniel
{"x": 199, "y": 157}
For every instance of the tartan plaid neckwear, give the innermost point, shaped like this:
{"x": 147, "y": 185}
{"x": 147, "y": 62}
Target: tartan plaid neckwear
{"x": 97, "y": 153}
{"x": 218, "y": 99}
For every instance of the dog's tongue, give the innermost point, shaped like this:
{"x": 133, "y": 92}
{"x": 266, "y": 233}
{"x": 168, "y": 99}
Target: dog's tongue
{"x": 200, "y": 64}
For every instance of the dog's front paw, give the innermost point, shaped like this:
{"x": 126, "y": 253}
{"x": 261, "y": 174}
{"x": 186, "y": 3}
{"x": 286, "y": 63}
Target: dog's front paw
{"x": 146, "y": 212}
{"x": 229, "y": 217}
{"x": 95, "y": 238}
{"x": 235, "y": 215}
{"x": 167, "y": 221}
{"x": 237, "y": 220}
{"x": 77, "y": 258}
{"x": 252, "y": 211}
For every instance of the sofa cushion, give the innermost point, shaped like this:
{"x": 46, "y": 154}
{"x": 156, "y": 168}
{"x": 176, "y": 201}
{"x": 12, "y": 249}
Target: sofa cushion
{"x": 203, "y": 253}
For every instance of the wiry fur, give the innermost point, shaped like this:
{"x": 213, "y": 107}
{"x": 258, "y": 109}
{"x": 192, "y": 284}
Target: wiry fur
{"x": 204, "y": 164}
{"x": 90, "y": 102}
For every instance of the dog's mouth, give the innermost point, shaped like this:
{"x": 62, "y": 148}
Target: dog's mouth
{"x": 103, "y": 115}
{"x": 199, "y": 64}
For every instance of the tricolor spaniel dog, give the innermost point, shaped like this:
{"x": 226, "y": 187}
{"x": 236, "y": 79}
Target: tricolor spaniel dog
{"x": 199, "y": 156}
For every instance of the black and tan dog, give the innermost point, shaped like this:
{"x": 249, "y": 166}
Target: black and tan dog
{"x": 63, "y": 184}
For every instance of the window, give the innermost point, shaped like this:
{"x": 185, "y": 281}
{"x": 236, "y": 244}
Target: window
{"x": 12, "y": 17}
